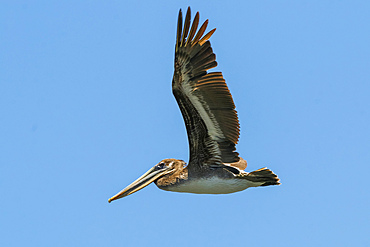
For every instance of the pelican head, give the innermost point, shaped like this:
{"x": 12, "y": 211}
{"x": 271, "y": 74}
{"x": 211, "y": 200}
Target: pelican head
{"x": 162, "y": 170}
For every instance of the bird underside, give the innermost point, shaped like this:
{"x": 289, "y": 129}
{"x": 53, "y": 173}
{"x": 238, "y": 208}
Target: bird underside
{"x": 212, "y": 185}
{"x": 222, "y": 185}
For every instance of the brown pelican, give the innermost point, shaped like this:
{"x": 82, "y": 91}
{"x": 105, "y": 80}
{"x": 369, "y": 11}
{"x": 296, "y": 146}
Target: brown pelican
{"x": 211, "y": 122}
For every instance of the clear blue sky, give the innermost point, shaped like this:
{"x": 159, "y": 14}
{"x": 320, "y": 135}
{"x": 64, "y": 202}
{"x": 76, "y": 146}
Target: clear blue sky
{"x": 86, "y": 107}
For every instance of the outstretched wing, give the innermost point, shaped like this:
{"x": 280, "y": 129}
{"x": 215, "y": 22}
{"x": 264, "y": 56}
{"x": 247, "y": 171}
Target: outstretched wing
{"x": 205, "y": 101}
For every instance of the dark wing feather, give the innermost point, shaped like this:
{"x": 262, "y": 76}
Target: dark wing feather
{"x": 205, "y": 101}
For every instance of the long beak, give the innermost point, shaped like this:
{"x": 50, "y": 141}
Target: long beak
{"x": 141, "y": 182}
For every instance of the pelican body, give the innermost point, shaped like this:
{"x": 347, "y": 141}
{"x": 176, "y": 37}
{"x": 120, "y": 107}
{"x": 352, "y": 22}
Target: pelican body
{"x": 211, "y": 122}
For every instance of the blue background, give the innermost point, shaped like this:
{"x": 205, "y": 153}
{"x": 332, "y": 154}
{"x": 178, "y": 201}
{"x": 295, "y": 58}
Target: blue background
{"x": 86, "y": 107}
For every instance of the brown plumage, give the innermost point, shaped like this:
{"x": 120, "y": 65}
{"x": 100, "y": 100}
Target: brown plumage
{"x": 204, "y": 99}
{"x": 211, "y": 122}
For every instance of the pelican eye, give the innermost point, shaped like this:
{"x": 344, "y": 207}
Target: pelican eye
{"x": 161, "y": 166}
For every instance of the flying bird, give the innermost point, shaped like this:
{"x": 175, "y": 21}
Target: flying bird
{"x": 211, "y": 122}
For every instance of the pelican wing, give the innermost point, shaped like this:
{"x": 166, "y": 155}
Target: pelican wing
{"x": 205, "y": 101}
